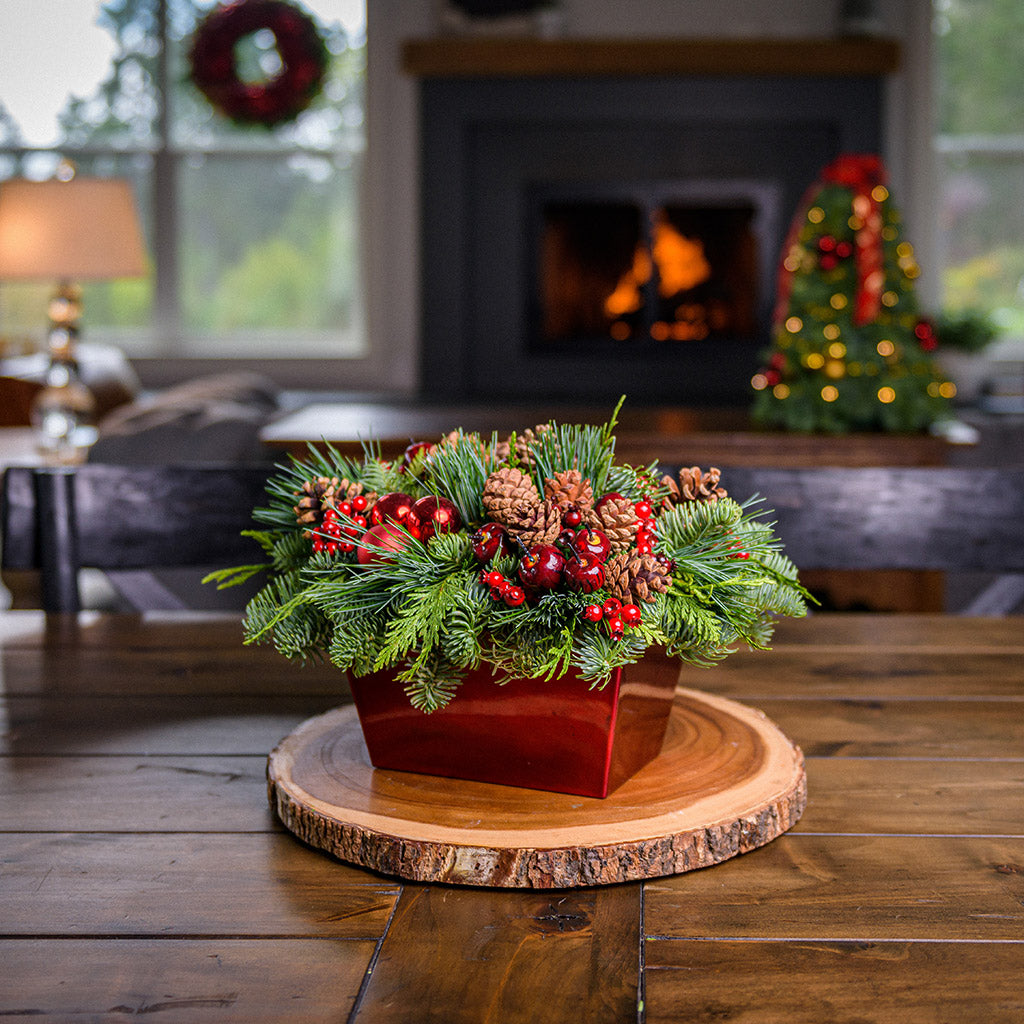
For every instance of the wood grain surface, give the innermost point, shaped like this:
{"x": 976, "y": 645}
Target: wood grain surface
{"x": 142, "y": 872}
{"x": 727, "y": 781}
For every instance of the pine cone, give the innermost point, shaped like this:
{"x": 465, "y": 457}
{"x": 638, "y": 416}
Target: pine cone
{"x": 617, "y": 519}
{"x": 317, "y": 494}
{"x": 523, "y": 441}
{"x": 347, "y": 491}
{"x": 633, "y": 577}
{"x": 568, "y": 489}
{"x": 507, "y": 487}
{"x": 534, "y": 522}
{"x": 695, "y": 486}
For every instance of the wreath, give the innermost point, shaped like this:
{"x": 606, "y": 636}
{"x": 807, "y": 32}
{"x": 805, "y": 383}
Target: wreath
{"x": 302, "y": 50}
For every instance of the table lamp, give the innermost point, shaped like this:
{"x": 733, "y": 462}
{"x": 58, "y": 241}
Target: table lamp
{"x": 67, "y": 229}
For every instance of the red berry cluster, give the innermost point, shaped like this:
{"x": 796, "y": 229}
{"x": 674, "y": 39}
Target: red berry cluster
{"x": 388, "y": 525}
{"x": 334, "y": 536}
{"x": 616, "y": 614}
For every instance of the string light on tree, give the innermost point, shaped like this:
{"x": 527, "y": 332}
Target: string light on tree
{"x": 850, "y": 350}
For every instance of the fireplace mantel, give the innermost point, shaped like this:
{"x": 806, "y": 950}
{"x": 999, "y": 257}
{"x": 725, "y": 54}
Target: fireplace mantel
{"x": 489, "y": 57}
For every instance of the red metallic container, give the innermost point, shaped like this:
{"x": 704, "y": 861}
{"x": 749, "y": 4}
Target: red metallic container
{"x": 556, "y": 735}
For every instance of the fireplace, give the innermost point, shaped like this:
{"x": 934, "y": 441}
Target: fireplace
{"x": 586, "y": 236}
{"x": 631, "y": 267}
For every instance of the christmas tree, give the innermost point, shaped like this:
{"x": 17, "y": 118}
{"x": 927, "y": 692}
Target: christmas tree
{"x": 849, "y": 346}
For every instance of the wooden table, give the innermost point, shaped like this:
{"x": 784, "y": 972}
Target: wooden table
{"x": 668, "y": 434}
{"x": 141, "y": 871}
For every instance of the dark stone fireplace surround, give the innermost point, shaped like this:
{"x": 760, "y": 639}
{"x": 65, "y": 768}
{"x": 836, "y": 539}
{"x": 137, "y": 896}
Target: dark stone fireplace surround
{"x": 489, "y": 144}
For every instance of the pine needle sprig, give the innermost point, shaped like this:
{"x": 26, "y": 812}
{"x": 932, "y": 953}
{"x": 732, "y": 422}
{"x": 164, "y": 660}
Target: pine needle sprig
{"x": 458, "y": 470}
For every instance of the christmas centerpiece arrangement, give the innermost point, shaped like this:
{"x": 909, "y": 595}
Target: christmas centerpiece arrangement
{"x": 476, "y": 568}
{"x": 850, "y": 349}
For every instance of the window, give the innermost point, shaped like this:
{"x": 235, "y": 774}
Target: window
{"x": 979, "y": 53}
{"x": 253, "y": 232}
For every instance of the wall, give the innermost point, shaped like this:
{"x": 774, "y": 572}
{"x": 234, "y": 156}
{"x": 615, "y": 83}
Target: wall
{"x": 392, "y": 210}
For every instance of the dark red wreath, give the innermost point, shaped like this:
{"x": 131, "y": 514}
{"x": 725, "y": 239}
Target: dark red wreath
{"x": 302, "y": 50}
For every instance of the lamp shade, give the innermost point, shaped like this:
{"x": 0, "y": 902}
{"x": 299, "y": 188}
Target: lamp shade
{"x": 81, "y": 229}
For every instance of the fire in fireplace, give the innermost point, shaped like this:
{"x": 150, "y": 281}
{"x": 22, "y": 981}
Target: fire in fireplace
{"x": 662, "y": 265}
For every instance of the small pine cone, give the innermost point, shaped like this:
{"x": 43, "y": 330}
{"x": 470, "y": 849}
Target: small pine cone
{"x": 534, "y": 522}
{"x": 347, "y": 491}
{"x": 507, "y": 487}
{"x": 570, "y": 488}
{"x": 616, "y": 518}
{"x": 697, "y": 486}
{"x": 633, "y": 577}
{"x": 523, "y": 442}
{"x": 317, "y": 494}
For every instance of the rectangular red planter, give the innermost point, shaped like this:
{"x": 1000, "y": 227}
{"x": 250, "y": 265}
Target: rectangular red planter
{"x": 556, "y": 735}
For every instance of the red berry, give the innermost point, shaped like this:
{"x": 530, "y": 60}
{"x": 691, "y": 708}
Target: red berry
{"x": 593, "y": 613}
{"x": 345, "y": 508}
{"x": 616, "y": 629}
{"x": 630, "y": 614}
{"x": 491, "y": 579}
{"x": 346, "y": 546}
{"x": 514, "y": 596}
{"x": 359, "y": 503}
{"x": 611, "y": 607}
{"x": 644, "y": 546}
{"x": 643, "y": 509}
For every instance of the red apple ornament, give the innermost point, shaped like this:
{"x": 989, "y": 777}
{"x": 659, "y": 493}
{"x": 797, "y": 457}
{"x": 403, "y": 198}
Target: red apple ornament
{"x": 392, "y": 507}
{"x": 584, "y": 573}
{"x": 541, "y": 567}
{"x": 378, "y": 541}
{"x": 434, "y": 514}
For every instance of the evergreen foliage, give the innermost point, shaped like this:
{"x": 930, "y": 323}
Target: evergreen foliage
{"x": 423, "y": 610}
{"x": 850, "y": 348}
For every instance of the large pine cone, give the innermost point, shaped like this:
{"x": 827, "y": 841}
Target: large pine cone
{"x": 538, "y": 522}
{"x": 633, "y": 577}
{"x": 694, "y": 485}
{"x": 570, "y": 489}
{"x": 507, "y": 487}
{"x": 616, "y": 518}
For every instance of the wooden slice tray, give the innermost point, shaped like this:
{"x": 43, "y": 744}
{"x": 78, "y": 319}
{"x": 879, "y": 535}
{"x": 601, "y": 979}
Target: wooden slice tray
{"x": 727, "y": 781}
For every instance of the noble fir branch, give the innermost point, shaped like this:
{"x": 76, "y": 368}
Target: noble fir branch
{"x": 415, "y": 631}
{"x": 355, "y": 647}
{"x": 281, "y": 614}
{"x": 596, "y": 655}
{"x": 430, "y": 686}
{"x": 689, "y": 625}
{"x": 460, "y": 637}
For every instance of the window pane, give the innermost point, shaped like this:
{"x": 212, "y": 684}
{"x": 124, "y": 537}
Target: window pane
{"x": 270, "y": 246}
{"x": 78, "y": 73}
{"x": 980, "y": 148}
